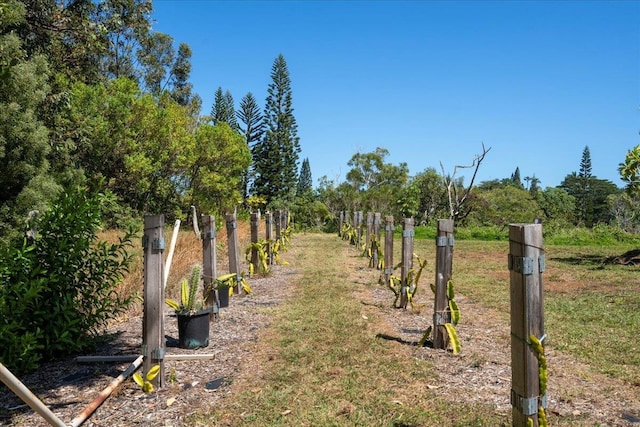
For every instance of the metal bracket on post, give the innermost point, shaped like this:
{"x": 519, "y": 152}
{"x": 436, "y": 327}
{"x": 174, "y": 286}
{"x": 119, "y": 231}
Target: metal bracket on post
{"x": 521, "y": 264}
{"x": 528, "y": 405}
{"x": 158, "y": 353}
{"x": 158, "y": 244}
{"x": 444, "y": 241}
{"x": 232, "y": 224}
{"x": 408, "y": 233}
{"x": 209, "y": 235}
{"x": 438, "y": 320}
{"x": 542, "y": 263}
{"x": 389, "y": 227}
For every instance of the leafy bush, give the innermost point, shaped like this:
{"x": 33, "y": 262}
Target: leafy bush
{"x": 58, "y": 290}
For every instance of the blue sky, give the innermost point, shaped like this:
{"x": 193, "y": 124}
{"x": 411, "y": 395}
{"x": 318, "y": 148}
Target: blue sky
{"x": 432, "y": 81}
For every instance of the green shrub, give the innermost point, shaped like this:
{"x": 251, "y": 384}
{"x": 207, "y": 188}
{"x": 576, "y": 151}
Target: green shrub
{"x": 58, "y": 290}
{"x": 603, "y": 235}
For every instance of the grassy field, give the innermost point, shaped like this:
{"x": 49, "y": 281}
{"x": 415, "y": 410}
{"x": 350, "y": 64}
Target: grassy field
{"x": 324, "y": 368}
{"x": 592, "y": 309}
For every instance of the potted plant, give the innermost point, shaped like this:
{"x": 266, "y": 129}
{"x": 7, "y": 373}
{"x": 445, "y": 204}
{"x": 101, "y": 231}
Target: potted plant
{"x": 224, "y": 285}
{"x": 193, "y": 317}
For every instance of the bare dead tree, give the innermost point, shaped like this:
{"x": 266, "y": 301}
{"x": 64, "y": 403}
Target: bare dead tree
{"x": 459, "y": 196}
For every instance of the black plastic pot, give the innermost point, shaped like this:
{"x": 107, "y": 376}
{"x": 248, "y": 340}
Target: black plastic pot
{"x": 193, "y": 329}
{"x": 223, "y": 296}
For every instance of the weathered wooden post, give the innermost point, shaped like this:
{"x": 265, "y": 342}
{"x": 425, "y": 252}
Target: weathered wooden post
{"x": 209, "y": 262}
{"x": 232, "y": 247}
{"x": 153, "y": 341}
{"x": 279, "y": 225}
{"x": 255, "y": 228}
{"x": 369, "y": 230}
{"x": 340, "y": 222}
{"x": 268, "y": 220}
{"x": 444, "y": 268}
{"x": 376, "y": 239}
{"x": 360, "y": 227}
{"x": 407, "y": 259}
{"x": 388, "y": 249}
{"x": 377, "y": 225}
{"x": 526, "y": 264}
{"x": 355, "y": 228}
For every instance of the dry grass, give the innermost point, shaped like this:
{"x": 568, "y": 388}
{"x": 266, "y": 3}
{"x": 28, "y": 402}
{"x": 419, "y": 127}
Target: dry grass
{"x": 187, "y": 253}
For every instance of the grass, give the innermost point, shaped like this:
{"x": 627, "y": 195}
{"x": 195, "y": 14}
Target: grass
{"x": 592, "y": 309}
{"x": 322, "y": 365}
{"x": 328, "y": 368}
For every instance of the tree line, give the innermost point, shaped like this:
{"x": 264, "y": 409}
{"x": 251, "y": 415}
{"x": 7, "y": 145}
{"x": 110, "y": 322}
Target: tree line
{"x": 92, "y": 97}
{"x": 581, "y": 199}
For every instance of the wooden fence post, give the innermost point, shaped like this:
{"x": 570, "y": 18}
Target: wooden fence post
{"x": 526, "y": 264}
{"x": 279, "y": 225}
{"x": 209, "y": 262}
{"x": 232, "y": 245}
{"x": 407, "y": 259}
{"x": 255, "y": 228}
{"x": 355, "y": 228}
{"x": 375, "y": 237}
{"x": 388, "y": 249}
{"x": 377, "y": 225}
{"x": 340, "y": 222}
{"x": 268, "y": 220}
{"x": 444, "y": 268}
{"x": 153, "y": 340}
{"x": 360, "y": 227}
{"x": 369, "y": 230}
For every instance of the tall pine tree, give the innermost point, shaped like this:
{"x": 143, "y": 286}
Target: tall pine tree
{"x": 276, "y": 155}
{"x": 305, "y": 184}
{"x": 252, "y": 127}
{"x": 223, "y": 110}
{"x": 584, "y": 200}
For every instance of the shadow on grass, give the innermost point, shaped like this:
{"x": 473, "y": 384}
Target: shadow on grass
{"x": 401, "y": 341}
{"x": 592, "y": 261}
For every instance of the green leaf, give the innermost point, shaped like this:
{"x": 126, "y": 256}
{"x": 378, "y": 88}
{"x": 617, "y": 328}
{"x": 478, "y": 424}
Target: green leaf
{"x": 153, "y": 372}
{"x": 453, "y": 338}
{"x": 450, "y": 293}
{"x": 455, "y": 312}
{"x": 424, "y": 338}
{"x": 137, "y": 377}
{"x": 184, "y": 293}
{"x": 173, "y": 304}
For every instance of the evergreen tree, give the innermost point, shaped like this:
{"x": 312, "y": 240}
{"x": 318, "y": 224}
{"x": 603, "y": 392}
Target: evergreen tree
{"x": 305, "y": 183}
{"x": 276, "y": 155}
{"x": 252, "y": 128}
{"x": 515, "y": 178}
{"x": 223, "y": 109}
{"x": 584, "y": 198}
